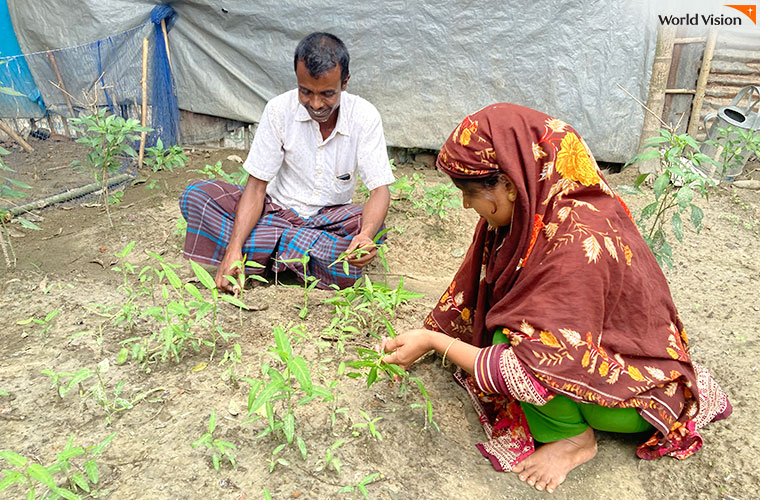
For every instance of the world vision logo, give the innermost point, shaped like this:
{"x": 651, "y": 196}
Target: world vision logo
{"x": 711, "y": 19}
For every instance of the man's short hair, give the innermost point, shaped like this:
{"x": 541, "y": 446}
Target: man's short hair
{"x": 320, "y": 52}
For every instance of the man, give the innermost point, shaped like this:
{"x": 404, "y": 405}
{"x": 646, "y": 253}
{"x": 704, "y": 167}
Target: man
{"x": 310, "y": 146}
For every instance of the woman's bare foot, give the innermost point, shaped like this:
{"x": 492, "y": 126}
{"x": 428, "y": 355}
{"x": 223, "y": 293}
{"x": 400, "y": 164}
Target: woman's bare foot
{"x": 548, "y": 466}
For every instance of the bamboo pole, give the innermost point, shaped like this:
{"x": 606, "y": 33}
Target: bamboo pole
{"x": 144, "y": 117}
{"x": 68, "y": 195}
{"x": 166, "y": 42}
{"x": 704, "y": 73}
{"x": 64, "y": 91}
{"x": 13, "y": 135}
{"x": 656, "y": 99}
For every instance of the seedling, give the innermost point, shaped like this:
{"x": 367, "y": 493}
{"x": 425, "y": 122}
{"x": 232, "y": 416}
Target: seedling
{"x": 309, "y": 282}
{"x": 109, "y": 138}
{"x": 437, "y": 200}
{"x": 233, "y": 359}
{"x": 242, "y": 277}
{"x": 220, "y": 450}
{"x": 361, "y": 486}
{"x": 9, "y": 189}
{"x": 158, "y": 158}
{"x": 369, "y": 424}
{"x": 360, "y": 252}
{"x": 213, "y": 171}
{"x": 33, "y": 476}
{"x": 46, "y": 322}
{"x": 74, "y": 380}
{"x": 330, "y": 459}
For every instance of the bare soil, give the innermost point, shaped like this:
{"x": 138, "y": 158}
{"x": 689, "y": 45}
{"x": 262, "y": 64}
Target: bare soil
{"x": 69, "y": 266}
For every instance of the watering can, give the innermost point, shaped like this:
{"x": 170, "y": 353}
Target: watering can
{"x": 739, "y": 116}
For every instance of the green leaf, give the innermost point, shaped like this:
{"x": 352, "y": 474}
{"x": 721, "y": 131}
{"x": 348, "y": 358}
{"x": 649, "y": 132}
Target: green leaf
{"x": 301, "y": 446}
{"x": 212, "y": 422}
{"x": 11, "y": 477}
{"x": 684, "y": 197}
{"x": 91, "y": 469}
{"x": 301, "y": 371}
{"x": 66, "y": 493}
{"x": 661, "y": 184}
{"x": 41, "y": 474}
{"x": 649, "y": 210}
{"x": 101, "y": 446}
{"x": 174, "y": 280}
{"x": 289, "y": 427}
{"x": 203, "y": 275}
{"x": 677, "y": 226}
{"x": 10, "y": 91}
{"x": 283, "y": 344}
{"x": 372, "y": 376}
{"x": 235, "y": 302}
{"x": 28, "y": 224}
{"x": 13, "y": 458}
{"x": 346, "y": 489}
{"x": 696, "y": 217}
{"x": 78, "y": 377}
{"x": 81, "y": 482}
{"x": 264, "y": 396}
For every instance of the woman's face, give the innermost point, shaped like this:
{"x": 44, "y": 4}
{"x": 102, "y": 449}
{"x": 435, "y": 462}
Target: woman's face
{"x": 495, "y": 204}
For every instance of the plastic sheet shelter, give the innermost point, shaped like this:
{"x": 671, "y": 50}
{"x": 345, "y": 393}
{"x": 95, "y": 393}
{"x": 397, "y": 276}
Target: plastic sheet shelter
{"x": 425, "y": 65}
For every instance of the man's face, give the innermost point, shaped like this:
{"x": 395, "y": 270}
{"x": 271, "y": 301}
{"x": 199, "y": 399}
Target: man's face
{"x": 321, "y": 95}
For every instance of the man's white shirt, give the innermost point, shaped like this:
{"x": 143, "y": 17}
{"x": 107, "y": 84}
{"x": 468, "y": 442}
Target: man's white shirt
{"x": 307, "y": 173}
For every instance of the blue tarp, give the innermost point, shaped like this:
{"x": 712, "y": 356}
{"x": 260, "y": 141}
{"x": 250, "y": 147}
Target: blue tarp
{"x": 14, "y": 73}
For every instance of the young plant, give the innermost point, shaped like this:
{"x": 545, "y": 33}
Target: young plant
{"x": 330, "y": 459}
{"x": 674, "y": 189}
{"x": 110, "y": 139}
{"x": 291, "y": 384}
{"x": 438, "y": 199}
{"x": 213, "y": 171}
{"x": 72, "y": 380}
{"x": 309, "y": 282}
{"x": 242, "y": 278}
{"x": 33, "y": 477}
{"x": 220, "y": 449}
{"x": 369, "y": 424}
{"x": 361, "y": 486}
{"x": 362, "y": 251}
{"x": 158, "y": 158}
{"x": 46, "y": 322}
{"x": 733, "y": 146}
{"x": 234, "y": 360}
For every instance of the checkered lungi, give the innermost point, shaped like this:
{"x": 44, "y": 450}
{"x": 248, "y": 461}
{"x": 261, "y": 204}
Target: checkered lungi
{"x": 280, "y": 234}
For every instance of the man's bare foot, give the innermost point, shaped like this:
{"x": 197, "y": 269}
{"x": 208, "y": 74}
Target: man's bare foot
{"x": 548, "y": 466}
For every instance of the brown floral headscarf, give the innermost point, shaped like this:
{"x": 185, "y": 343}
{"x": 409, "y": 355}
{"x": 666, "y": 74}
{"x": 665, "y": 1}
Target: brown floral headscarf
{"x": 572, "y": 283}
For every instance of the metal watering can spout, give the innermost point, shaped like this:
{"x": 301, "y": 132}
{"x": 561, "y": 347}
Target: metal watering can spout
{"x": 739, "y": 118}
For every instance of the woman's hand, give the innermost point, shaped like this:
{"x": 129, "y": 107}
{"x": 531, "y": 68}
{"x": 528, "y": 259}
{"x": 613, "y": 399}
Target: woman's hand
{"x": 407, "y": 347}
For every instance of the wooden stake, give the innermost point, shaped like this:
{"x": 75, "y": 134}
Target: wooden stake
{"x": 65, "y": 93}
{"x": 656, "y": 99}
{"x": 13, "y": 135}
{"x": 704, "y": 73}
{"x": 144, "y": 118}
{"x": 166, "y": 42}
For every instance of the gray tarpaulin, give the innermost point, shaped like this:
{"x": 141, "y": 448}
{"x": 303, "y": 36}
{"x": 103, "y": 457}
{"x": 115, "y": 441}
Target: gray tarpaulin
{"x": 425, "y": 65}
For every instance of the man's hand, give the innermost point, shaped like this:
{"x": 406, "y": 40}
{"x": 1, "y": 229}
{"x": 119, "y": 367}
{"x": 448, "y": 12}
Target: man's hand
{"x": 407, "y": 347}
{"x": 227, "y": 267}
{"x": 359, "y": 258}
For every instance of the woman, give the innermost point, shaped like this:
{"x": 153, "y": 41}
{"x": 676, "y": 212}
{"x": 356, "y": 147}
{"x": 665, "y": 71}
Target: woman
{"x": 565, "y": 319}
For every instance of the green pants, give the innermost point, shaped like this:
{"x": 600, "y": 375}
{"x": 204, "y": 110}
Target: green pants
{"x": 562, "y": 418}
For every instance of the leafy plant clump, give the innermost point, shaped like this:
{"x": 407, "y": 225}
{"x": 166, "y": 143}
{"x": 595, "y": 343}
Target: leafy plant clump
{"x": 216, "y": 171}
{"x": 110, "y": 138}
{"x": 158, "y": 158}
{"x": 33, "y": 477}
{"x": 674, "y": 190}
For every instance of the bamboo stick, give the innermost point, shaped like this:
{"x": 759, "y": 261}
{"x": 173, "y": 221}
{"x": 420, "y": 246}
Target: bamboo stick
{"x": 144, "y": 117}
{"x": 656, "y": 98}
{"x": 166, "y": 42}
{"x": 64, "y": 91}
{"x": 68, "y": 195}
{"x": 13, "y": 135}
{"x": 704, "y": 73}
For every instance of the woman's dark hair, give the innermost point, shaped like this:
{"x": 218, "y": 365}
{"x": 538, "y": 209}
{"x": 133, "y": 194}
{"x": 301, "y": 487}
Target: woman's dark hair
{"x": 480, "y": 183}
{"x": 320, "y": 52}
